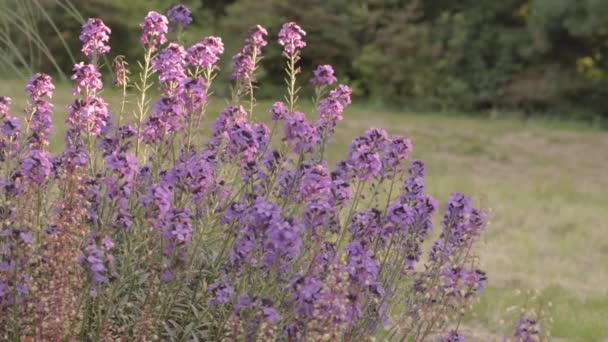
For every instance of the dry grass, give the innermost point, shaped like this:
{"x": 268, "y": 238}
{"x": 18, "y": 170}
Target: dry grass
{"x": 545, "y": 184}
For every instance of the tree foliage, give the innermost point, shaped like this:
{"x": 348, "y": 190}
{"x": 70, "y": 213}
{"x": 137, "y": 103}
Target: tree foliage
{"x": 532, "y": 55}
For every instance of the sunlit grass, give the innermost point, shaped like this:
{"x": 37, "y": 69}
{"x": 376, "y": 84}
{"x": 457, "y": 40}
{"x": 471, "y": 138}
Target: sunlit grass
{"x": 544, "y": 183}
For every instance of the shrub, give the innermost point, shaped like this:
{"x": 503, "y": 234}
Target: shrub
{"x": 142, "y": 228}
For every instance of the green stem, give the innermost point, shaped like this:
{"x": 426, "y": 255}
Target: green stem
{"x": 141, "y": 105}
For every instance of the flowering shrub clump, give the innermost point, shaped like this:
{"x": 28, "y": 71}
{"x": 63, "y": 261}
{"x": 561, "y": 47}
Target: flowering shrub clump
{"x": 145, "y": 228}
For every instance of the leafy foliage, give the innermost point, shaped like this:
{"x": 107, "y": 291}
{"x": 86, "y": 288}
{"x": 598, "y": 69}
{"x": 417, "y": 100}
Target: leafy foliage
{"x": 530, "y": 55}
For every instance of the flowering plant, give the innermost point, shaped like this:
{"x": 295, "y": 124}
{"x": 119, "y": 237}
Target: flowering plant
{"x": 142, "y": 227}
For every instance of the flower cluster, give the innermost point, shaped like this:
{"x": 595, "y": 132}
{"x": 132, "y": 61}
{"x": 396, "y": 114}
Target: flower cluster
{"x": 40, "y": 89}
{"x": 87, "y": 77}
{"x": 170, "y": 64}
{"x": 98, "y": 261}
{"x": 179, "y": 15}
{"x": 323, "y": 75}
{"x": 244, "y": 62}
{"x": 206, "y": 53}
{"x": 94, "y": 37}
{"x": 155, "y": 27}
{"x": 10, "y": 128}
{"x": 248, "y": 233}
{"x": 291, "y": 38}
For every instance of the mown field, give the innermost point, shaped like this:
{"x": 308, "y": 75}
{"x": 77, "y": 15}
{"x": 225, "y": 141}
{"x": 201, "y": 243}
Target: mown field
{"x": 544, "y": 183}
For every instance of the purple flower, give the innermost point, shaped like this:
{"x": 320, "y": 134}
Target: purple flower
{"x": 414, "y": 185}
{"x": 279, "y": 110}
{"x": 222, "y": 293}
{"x": 342, "y": 93}
{"x": 180, "y": 15}
{"x": 90, "y": 114}
{"x": 323, "y": 75}
{"x": 244, "y": 62}
{"x": 94, "y": 37}
{"x": 366, "y": 226}
{"x": 456, "y": 234}
{"x": 167, "y": 117}
{"x": 193, "y": 176}
{"x": 39, "y": 86}
{"x": 362, "y": 267}
{"x": 291, "y": 39}
{"x": 228, "y": 117}
{"x": 170, "y": 64}
{"x": 193, "y": 93}
{"x": 256, "y": 39}
{"x": 5, "y": 105}
{"x": 157, "y": 201}
{"x": 155, "y": 27}
{"x": 331, "y": 109}
{"x": 205, "y": 53}
{"x": 107, "y": 243}
{"x": 461, "y": 283}
{"x": 305, "y": 292}
{"x": 319, "y": 213}
{"x": 40, "y": 123}
{"x": 11, "y": 126}
{"x": 528, "y": 330}
{"x": 282, "y": 243}
{"x": 87, "y": 77}
{"x": 243, "y": 67}
{"x": 401, "y": 215}
{"x": 27, "y": 237}
{"x": 179, "y": 226}
{"x": 98, "y": 262}
{"x": 452, "y": 336}
{"x": 316, "y": 182}
{"x": 340, "y": 189}
{"x": 299, "y": 132}
{"x": 365, "y": 153}
{"x": 398, "y": 151}
{"x": 37, "y": 166}
{"x": 124, "y": 164}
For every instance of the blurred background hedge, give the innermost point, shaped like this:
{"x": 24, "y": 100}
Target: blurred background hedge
{"x": 540, "y": 57}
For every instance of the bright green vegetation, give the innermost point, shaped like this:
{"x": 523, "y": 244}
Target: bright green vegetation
{"x": 544, "y": 183}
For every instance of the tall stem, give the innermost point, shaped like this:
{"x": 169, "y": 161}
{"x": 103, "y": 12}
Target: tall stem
{"x": 292, "y": 92}
{"x": 141, "y": 104}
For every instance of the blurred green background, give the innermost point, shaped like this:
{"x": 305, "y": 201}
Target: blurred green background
{"x": 531, "y": 57}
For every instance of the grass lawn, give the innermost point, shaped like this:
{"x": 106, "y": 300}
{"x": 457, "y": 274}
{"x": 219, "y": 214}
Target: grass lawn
{"x": 544, "y": 183}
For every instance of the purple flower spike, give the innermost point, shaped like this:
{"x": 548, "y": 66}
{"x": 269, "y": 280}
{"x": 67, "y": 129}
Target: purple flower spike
{"x": 279, "y": 111}
{"x": 193, "y": 93}
{"x": 300, "y": 132}
{"x": 39, "y": 86}
{"x": 89, "y": 114}
{"x": 257, "y": 37}
{"x": 528, "y": 330}
{"x": 5, "y": 105}
{"x": 291, "y": 39}
{"x": 222, "y": 293}
{"x": 452, "y": 336}
{"x": 155, "y": 27}
{"x": 323, "y": 75}
{"x": 37, "y": 166}
{"x": 244, "y": 62}
{"x": 94, "y": 37}
{"x": 180, "y": 15}
{"x": 170, "y": 64}
{"x": 87, "y": 77}
{"x": 205, "y": 53}
{"x": 243, "y": 67}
